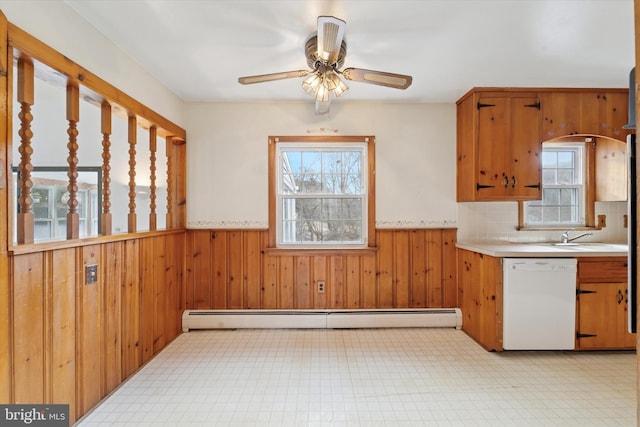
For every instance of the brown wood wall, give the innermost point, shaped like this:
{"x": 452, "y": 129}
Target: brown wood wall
{"x": 73, "y": 342}
{"x": 233, "y": 269}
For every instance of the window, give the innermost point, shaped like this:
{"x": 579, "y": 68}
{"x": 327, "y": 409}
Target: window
{"x": 322, "y": 192}
{"x": 563, "y": 188}
{"x": 50, "y": 201}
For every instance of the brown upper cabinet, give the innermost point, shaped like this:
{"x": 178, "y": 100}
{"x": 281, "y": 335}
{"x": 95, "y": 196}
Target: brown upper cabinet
{"x": 499, "y": 146}
{"x": 500, "y": 133}
{"x": 585, "y": 111}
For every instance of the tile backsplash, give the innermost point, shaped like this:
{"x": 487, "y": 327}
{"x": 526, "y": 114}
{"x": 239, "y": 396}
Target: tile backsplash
{"x": 499, "y": 220}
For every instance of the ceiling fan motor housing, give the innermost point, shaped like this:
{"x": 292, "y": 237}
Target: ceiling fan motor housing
{"x": 311, "y": 52}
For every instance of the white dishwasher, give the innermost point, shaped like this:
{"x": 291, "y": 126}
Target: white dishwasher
{"x": 539, "y": 303}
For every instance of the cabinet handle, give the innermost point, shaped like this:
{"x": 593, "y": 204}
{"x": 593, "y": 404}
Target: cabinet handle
{"x": 481, "y": 186}
{"x": 505, "y": 181}
{"x": 480, "y": 105}
{"x": 514, "y": 182}
{"x": 620, "y": 297}
{"x": 536, "y": 105}
{"x": 533, "y": 186}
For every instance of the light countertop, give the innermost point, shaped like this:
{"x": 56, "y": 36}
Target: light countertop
{"x": 502, "y": 249}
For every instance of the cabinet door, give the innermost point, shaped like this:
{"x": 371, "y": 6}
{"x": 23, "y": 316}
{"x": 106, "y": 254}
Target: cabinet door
{"x": 614, "y": 107}
{"x": 526, "y": 147}
{"x": 602, "y": 323}
{"x": 561, "y": 114}
{"x": 494, "y": 140}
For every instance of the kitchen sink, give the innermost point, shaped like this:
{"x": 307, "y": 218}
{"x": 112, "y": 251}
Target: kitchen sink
{"x": 583, "y": 246}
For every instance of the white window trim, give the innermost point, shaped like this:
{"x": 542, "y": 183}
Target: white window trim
{"x": 364, "y": 196}
{"x": 581, "y": 149}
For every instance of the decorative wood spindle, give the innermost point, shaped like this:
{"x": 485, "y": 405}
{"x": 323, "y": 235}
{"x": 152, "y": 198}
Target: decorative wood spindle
{"x": 73, "y": 116}
{"x": 153, "y": 136}
{"x": 169, "y": 145}
{"x": 25, "y": 98}
{"x": 106, "y": 219}
{"x": 132, "y": 131}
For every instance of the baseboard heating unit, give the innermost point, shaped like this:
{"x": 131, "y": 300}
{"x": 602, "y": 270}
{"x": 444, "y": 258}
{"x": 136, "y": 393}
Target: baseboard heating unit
{"x": 322, "y": 319}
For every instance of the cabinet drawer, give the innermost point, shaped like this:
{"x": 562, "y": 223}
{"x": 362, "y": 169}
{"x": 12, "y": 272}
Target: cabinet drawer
{"x": 613, "y": 270}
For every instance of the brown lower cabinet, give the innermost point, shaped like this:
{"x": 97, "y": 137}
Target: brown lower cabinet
{"x": 601, "y": 311}
{"x": 602, "y": 305}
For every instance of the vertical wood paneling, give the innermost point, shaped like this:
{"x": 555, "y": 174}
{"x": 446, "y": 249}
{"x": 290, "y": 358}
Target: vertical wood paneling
{"x": 286, "y": 294}
{"x": 419, "y": 270}
{"x": 401, "y": 268}
{"x": 147, "y": 305}
{"x": 159, "y": 292}
{"x": 252, "y": 269}
{"x": 6, "y": 93}
{"x": 449, "y": 266}
{"x": 219, "y": 256}
{"x": 112, "y": 286}
{"x": 385, "y": 260}
{"x": 337, "y": 285}
{"x": 434, "y": 268}
{"x": 174, "y": 265}
{"x": 369, "y": 282}
{"x": 201, "y": 270}
{"x": 63, "y": 329}
{"x": 269, "y": 277}
{"x": 90, "y": 331}
{"x": 131, "y": 310}
{"x": 302, "y": 293}
{"x": 28, "y": 329}
{"x": 410, "y": 268}
{"x": 235, "y": 287}
{"x": 354, "y": 281}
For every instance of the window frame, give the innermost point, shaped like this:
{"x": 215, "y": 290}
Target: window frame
{"x": 580, "y": 170}
{"x": 274, "y": 173}
{"x": 589, "y": 185}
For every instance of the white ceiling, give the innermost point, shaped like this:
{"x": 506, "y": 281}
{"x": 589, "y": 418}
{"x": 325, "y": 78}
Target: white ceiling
{"x": 199, "y": 48}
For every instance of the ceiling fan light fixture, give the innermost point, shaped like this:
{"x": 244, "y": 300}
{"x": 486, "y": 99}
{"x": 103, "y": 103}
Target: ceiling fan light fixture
{"x": 340, "y": 88}
{"x": 311, "y": 84}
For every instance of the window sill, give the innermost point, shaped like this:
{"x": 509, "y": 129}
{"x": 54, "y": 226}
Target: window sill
{"x": 319, "y": 251}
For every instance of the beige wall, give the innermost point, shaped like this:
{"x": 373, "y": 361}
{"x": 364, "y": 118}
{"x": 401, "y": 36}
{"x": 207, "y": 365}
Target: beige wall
{"x": 227, "y": 159}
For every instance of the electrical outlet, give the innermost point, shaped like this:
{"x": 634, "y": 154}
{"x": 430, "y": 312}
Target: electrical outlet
{"x": 602, "y": 221}
{"x": 91, "y": 274}
{"x": 320, "y": 285}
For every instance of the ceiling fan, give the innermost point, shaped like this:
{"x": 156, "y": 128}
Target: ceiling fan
{"x": 325, "y": 54}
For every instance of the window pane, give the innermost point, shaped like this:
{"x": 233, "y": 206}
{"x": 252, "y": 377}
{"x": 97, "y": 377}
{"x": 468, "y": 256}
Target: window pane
{"x": 311, "y": 162}
{"x": 551, "y": 196}
{"x": 309, "y": 184}
{"x": 534, "y": 215}
{"x": 549, "y": 159}
{"x": 549, "y": 176}
{"x": 551, "y": 214}
{"x": 565, "y": 177}
{"x": 566, "y": 159}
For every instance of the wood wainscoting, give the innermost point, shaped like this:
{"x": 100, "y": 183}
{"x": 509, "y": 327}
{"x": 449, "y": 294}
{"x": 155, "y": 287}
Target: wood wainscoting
{"x": 73, "y": 342}
{"x": 235, "y": 269}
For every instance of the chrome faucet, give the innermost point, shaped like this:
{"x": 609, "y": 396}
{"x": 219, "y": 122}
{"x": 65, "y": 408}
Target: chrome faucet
{"x": 565, "y": 236}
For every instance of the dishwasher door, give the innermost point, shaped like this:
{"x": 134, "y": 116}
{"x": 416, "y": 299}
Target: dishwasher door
{"x": 539, "y": 303}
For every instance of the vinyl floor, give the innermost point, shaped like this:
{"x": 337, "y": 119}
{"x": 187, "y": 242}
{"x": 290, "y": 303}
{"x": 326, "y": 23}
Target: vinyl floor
{"x": 368, "y": 377}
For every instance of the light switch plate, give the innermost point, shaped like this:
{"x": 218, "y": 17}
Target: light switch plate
{"x": 91, "y": 274}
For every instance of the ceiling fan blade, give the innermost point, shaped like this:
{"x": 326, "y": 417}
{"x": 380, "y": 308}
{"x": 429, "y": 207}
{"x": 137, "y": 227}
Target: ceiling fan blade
{"x": 330, "y": 35}
{"x": 397, "y": 81}
{"x": 273, "y": 76}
